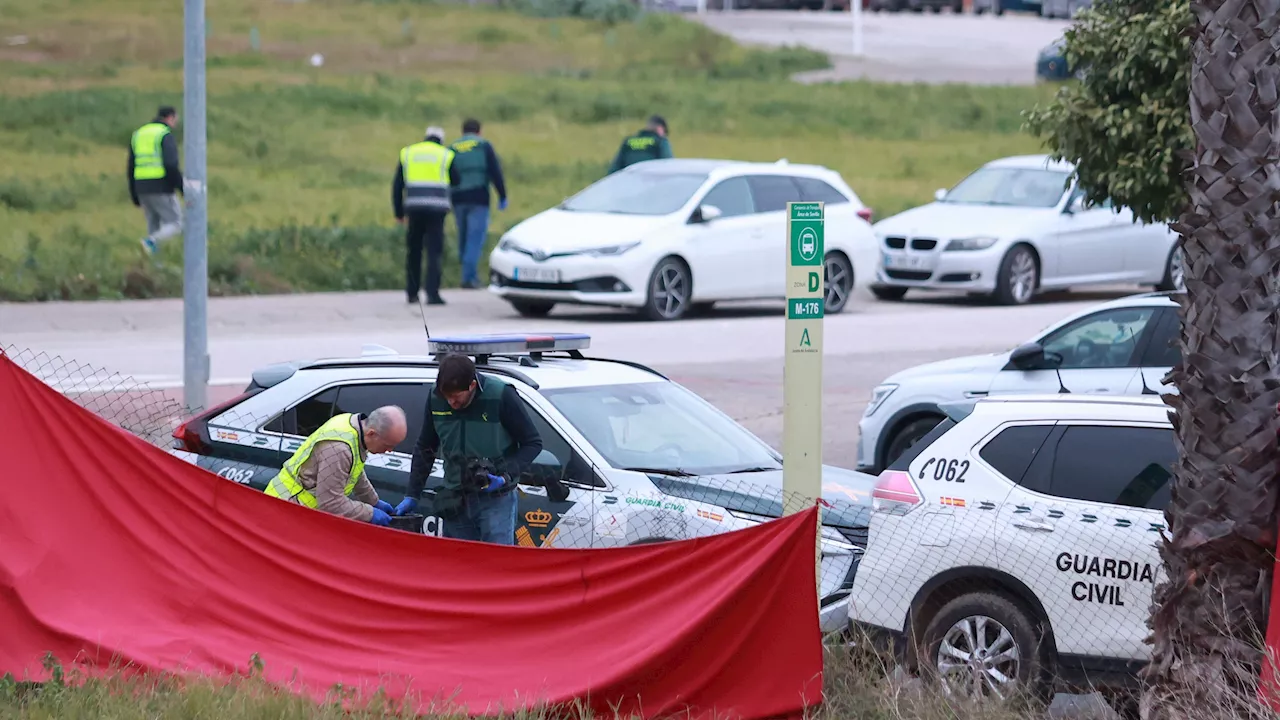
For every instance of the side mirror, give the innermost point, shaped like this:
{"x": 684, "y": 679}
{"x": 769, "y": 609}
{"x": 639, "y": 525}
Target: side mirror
{"x": 1028, "y": 357}
{"x": 707, "y": 213}
{"x": 1076, "y": 205}
{"x": 939, "y": 193}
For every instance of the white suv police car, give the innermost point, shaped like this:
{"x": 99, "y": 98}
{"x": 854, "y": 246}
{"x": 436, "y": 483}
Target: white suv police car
{"x": 1122, "y": 347}
{"x": 644, "y": 459}
{"x": 1016, "y": 543}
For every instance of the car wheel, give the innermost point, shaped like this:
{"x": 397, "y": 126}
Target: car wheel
{"x": 958, "y": 7}
{"x": 1175, "y": 271}
{"x": 908, "y": 435}
{"x": 532, "y": 308}
{"x": 887, "y": 292}
{"x": 670, "y": 288}
{"x": 837, "y": 274}
{"x": 1019, "y": 276}
{"x": 984, "y": 646}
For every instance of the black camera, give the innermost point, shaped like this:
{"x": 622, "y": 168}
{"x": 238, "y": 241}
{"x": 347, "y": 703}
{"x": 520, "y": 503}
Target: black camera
{"x": 477, "y": 471}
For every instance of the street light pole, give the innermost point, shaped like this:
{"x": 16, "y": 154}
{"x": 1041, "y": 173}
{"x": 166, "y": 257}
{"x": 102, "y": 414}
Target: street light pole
{"x": 855, "y": 9}
{"x": 195, "y": 266}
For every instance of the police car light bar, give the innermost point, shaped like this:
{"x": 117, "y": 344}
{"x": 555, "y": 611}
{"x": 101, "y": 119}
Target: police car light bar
{"x": 508, "y": 344}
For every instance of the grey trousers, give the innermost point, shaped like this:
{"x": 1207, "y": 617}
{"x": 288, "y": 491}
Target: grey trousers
{"x": 163, "y": 213}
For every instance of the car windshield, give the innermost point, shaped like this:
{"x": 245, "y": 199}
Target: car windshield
{"x": 637, "y": 192}
{"x": 1020, "y": 187}
{"x": 661, "y": 426}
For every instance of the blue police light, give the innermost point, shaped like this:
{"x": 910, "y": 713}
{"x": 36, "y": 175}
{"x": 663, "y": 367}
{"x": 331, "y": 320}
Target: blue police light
{"x": 508, "y": 344}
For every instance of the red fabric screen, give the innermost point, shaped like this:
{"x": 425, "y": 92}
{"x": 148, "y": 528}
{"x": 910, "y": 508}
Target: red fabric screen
{"x": 114, "y": 551}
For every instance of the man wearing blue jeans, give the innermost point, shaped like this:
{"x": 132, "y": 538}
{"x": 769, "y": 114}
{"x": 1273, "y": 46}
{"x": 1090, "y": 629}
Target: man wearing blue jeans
{"x": 481, "y": 429}
{"x": 478, "y": 168}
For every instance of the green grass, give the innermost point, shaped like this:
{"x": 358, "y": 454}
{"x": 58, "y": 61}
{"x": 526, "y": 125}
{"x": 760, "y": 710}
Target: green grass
{"x": 301, "y": 158}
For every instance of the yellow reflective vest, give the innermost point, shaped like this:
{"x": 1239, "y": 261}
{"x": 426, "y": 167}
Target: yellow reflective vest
{"x": 426, "y": 175}
{"x": 148, "y": 159}
{"x": 285, "y": 484}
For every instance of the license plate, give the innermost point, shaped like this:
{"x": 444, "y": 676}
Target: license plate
{"x": 542, "y": 275}
{"x": 907, "y": 262}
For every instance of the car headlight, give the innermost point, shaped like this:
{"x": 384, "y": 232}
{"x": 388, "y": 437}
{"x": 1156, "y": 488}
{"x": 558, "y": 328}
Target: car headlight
{"x": 611, "y": 250}
{"x": 878, "y": 396}
{"x": 973, "y": 243}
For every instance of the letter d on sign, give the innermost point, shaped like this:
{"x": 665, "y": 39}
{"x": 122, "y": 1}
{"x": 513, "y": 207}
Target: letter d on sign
{"x": 813, "y": 282}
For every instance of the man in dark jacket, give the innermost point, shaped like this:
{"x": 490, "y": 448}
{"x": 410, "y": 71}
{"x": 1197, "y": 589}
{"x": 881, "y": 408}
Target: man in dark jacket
{"x": 479, "y": 426}
{"x": 478, "y": 168}
{"x": 420, "y": 191}
{"x": 154, "y": 177}
{"x": 649, "y": 144}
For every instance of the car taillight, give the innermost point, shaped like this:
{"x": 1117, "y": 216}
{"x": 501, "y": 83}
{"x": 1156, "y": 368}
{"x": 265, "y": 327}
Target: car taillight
{"x": 865, "y": 214}
{"x": 895, "y": 494}
{"x": 192, "y": 435}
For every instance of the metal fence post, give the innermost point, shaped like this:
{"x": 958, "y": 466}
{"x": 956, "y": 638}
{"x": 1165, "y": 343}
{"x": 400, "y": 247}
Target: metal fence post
{"x": 195, "y": 270}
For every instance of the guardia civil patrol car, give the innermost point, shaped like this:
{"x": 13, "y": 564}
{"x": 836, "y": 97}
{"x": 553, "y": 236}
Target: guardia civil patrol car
{"x": 1017, "y": 543}
{"x": 644, "y": 459}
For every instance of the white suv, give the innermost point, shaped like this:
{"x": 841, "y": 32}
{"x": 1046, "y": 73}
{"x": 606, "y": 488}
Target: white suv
{"x": 1016, "y": 544}
{"x": 671, "y": 237}
{"x": 1122, "y": 347}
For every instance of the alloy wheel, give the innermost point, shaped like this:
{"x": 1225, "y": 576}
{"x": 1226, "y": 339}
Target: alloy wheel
{"x": 1022, "y": 276}
{"x": 670, "y": 291}
{"x": 1177, "y": 269}
{"x": 839, "y": 283}
{"x": 978, "y": 658}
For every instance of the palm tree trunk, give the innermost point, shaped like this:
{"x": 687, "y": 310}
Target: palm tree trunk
{"x": 1210, "y": 614}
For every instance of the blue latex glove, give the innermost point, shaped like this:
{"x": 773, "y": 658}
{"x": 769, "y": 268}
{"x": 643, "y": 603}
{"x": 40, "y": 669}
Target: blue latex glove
{"x": 495, "y": 482}
{"x": 380, "y": 518}
{"x": 385, "y": 507}
{"x": 502, "y": 204}
{"x": 406, "y": 506}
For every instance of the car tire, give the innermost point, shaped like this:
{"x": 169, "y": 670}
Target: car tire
{"x": 1175, "y": 271}
{"x": 1019, "y": 276}
{"x": 838, "y": 291}
{"x": 532, "y": 308}
{"x": 906, "y": 436}
{"x": 987, "y": 617}
{"x": 670, "y": 290}
{"x": 888, "y": 292}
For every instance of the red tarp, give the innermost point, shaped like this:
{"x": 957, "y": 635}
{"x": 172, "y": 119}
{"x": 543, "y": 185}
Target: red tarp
{"x": 114, "y": 551}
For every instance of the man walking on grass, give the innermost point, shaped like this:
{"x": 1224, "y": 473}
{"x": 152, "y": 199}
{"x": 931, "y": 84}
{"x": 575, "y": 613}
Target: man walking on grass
{"x": 420, "y": 191}
{"x": 478, "y": 167}
{"x": 155, "y": 179}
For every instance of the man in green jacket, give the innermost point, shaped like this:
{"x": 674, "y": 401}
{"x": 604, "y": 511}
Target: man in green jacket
{"x": 651, "y": 143}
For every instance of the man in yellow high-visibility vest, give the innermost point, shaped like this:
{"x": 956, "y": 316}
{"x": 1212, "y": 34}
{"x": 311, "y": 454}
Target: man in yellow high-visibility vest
{"x": 420, "y": 191}
{"x": 154, "y": 177}
{"x": 327, "y": 471}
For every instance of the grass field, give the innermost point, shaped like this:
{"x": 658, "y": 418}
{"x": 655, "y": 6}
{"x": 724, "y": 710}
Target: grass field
{"x": 301, "y": 158}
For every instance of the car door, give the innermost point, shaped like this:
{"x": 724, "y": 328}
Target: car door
{"x": 841, "y": 220}
{"x": 1088, "y": 242}
{"x": 1099, "y": 355}
{"x": 1146, "y": 251}
{"x": 719, "y": 250}
{"x": 771, "y": 194}
{"x": 1159, "y": 356}
{"x": 1081, "y": 528}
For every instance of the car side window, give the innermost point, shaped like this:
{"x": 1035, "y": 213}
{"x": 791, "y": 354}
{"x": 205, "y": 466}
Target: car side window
{"x": 570, "y": 466}
{"x": 815, "y": 190}
{"x": 1014, "y": 448}
{"x": 772, "y": 192}
{"x": 310, "y": 414}
{"x": 365, "y": 398}
{"x": 1117, "y": 465}
{"x": 732, "y": 197}
{"x": 1163, "y": 349}
{"x": 1105, "y": 339}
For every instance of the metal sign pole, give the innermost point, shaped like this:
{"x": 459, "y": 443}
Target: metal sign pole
{"x": 195, "y": 266}
{"x": 855, "y": 9}
{"x": 802, "y": 381}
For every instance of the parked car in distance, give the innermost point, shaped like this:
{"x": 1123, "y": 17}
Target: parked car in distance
{"x": 957, "y": 6}
{"x": 1062, "y": 8}
{"x": 671, "y": 237}
{"x": 1121, "y": 347}
{"x": 1016, "y": 227}
{"x": 1052, "y": 64}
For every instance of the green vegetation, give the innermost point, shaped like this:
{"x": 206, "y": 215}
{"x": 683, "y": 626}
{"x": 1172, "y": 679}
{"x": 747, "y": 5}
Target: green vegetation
{"x": 301, "y": 158}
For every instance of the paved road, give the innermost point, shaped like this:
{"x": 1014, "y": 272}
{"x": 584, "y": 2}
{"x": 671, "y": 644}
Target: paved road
{"x": 904, "y": 47}
{"x": 733, "y": 357}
